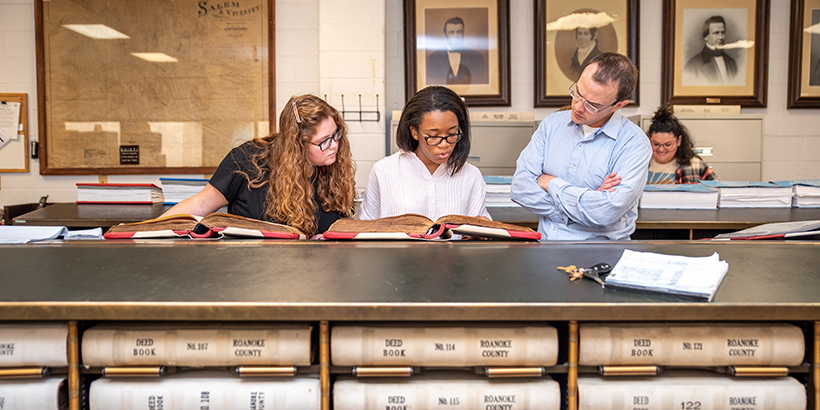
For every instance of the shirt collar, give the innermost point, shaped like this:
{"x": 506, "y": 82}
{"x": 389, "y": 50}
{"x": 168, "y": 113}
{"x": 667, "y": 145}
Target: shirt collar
{"x": 610, "y": 128}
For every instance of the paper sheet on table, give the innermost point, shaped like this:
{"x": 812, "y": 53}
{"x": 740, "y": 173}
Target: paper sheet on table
{"x": 674, "y": 274}
{"x": 26, "y": 234}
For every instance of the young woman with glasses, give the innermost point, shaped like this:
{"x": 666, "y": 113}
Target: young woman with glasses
{"x": 301, "y": 176}
{"x": 429, "y": 175}
{"x": 673, "y": 158}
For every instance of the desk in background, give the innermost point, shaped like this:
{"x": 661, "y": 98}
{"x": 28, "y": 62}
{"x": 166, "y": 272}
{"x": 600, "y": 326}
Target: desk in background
{"x": 84, "y": 216}
{"x": 682, "y": 223}
{"x": 652, "y": 223}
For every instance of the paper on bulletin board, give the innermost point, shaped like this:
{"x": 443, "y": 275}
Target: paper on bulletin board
{"x": 14, "y": 132}
{"x": 9, "y": 120}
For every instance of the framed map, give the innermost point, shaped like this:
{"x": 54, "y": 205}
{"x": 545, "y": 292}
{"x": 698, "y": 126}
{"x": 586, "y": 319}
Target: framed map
{"x": 151, "y": 86}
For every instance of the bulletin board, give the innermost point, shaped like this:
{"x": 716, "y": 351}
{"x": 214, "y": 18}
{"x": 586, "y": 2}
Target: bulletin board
{"x": 151, "y": 87}
{"x": 14, "y": 152}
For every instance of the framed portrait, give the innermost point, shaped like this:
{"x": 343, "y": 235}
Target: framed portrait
{"x": 151, "y": 87}
{"x": 715, "y": 52}
{"x": 461, "y": 44}
{"x": 568, "y": 35}
{"x": 804, "y": 55}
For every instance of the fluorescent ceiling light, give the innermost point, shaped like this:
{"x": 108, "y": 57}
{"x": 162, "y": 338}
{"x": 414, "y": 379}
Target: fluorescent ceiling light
{"x": 155, "y": 57}
{"x": 96, "y": 31}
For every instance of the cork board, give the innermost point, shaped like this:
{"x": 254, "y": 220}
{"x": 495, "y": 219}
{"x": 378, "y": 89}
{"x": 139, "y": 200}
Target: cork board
{"x": 14, "y": 152}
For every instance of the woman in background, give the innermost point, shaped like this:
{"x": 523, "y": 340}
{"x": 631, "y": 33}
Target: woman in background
{"x": 673, "y": 158}
{"x": 429, "y": 175}
{"x": 301, "y": 176}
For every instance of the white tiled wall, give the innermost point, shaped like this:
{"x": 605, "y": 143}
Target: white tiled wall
{"x": 352, "y": 64}
{"x": 350, "y": 47}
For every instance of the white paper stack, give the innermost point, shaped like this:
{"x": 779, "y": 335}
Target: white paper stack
{"x": 498, "y": 191}
{"x": 678, "y": 196}
{"x": 179, "y": 189}
{"x": 806, "y": 192}
{"x": 751, "y": 194}
{"x": 689, "y": 277}
{"x": 118, "y": 193}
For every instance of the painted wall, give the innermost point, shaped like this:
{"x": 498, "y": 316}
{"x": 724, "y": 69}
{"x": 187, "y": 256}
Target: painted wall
{"x": 350, "y": 47}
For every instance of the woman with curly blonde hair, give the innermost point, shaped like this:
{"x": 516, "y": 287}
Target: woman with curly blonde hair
{"x": 301, "y": 176}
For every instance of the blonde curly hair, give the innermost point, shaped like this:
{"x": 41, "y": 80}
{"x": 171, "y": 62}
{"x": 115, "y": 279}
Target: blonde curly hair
{"x": 289, "y": 173}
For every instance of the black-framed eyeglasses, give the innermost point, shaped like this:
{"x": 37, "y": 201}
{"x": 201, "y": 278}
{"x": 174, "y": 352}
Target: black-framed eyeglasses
{"x": 434, "y": 140}
{"x": 325, "y": 143}
{"x": 589, "y": 106}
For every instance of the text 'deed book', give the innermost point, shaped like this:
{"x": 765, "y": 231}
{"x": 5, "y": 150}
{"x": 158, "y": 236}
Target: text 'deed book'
{"x": 444, "y": 346}
{"x": 446, "y": 392}
{"x": 691, "y": 344}
{"x": 204, "y": 390}
{"x": 690, "y": 390}
{"x": 196, "y": 345}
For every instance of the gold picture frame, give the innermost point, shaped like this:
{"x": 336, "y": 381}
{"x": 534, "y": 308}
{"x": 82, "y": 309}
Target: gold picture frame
{"x": 151, "y": 87}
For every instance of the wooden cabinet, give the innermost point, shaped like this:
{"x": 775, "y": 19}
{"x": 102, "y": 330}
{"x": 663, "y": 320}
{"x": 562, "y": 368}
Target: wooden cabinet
{"x": 331, "y": 282}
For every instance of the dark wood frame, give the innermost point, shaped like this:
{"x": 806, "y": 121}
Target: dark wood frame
{"x": 761, "y": 63}
{"x": 541, "y": 98}
{"x": 502, "y": 99}
{"x": 795, "y": 100}
{"x": 41, "y": 106}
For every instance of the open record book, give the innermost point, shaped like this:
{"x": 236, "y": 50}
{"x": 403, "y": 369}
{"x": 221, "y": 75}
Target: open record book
{"x": 414, "y": 226}
{"x": 212, "y": 226}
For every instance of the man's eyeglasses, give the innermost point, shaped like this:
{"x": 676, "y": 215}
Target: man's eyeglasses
{"x": 434, "y": 140}
{"x": 667, "y": 145}
{"x": 325, "y": 144}
{"x": 589, "y": 106}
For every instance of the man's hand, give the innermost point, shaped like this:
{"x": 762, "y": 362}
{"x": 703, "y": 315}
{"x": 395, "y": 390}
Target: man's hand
{"x": 544, "y": 181}
{"x": 610, "y": 182}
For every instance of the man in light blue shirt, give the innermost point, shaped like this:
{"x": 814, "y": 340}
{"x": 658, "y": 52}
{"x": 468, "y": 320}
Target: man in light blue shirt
{"x": 584, "y": 169}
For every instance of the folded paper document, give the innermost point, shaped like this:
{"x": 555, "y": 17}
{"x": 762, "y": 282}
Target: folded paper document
{"x": 413, "y": 226}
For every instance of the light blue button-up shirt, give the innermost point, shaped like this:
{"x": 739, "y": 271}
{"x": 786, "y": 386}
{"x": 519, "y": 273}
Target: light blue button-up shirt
{"x": 573, "y": 209}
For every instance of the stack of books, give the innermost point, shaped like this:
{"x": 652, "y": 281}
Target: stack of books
{"x": 678, "y": 196}
{"x": 177, "y": 190}
{"x": 751, "y": 194}
{"x": 806, "y": 192}
{"x": 118, "y": 194}
{"x": 498, "y": 190}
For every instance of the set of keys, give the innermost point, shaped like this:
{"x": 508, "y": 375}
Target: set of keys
{"x": 593, "y": 272}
